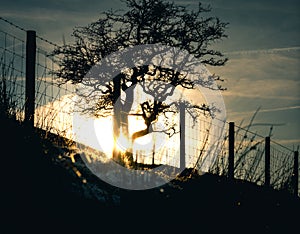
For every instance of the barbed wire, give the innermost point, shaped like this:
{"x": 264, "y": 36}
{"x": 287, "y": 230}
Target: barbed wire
{"x": 56, "y": 45}
{"x": 47, "y": 41}
{"x": 248, "y": 152}
{"x": 256, "y": 134}
{"x": 13, "y": 24}
{"x": 25, "y": 30}
{"x": 276, "y": 143}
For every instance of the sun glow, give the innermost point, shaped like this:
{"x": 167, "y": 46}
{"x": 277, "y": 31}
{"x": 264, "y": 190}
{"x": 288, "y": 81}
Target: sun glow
{"x": 106, "y": 140}
{"x": 97, "y": 133}
{"x": 104, "y": 133}
{"x": 123, "y": 142}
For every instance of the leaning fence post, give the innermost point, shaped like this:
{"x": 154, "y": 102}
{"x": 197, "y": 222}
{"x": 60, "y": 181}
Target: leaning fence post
{"x": 30, "y": 77}
{"x": 267, "y": 161}
{"x": 231, "y": 151}
{"x": 182, "y": 135}
{"x": 296, "y": 172}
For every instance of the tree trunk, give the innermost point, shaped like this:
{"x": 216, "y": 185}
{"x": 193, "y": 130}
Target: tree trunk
{"x": 140, "y": 133}
{"x": 116, "y": 116}
{"x": 121, "y": 112}
{"x": 116, "y": 134}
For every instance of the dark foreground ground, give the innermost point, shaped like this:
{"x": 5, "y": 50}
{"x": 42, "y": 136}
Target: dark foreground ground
{"x": 39, "y": 196}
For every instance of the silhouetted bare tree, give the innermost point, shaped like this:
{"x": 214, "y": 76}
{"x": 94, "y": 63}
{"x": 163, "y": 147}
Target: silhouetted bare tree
{"x": 143, "y": 22}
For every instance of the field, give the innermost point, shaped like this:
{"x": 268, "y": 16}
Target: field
{"x": 42, "y": 190}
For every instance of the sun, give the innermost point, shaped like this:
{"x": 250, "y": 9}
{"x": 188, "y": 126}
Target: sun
{"x": 106, "y": 141}
{"x": 104, "y": 133}
{"x": 123, "y": 143}
{"x": 98, "y": 134}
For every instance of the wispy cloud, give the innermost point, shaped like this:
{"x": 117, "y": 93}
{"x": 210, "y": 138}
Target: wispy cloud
{"x": 247, "y": 113}
{"x": 255, "y": 96}
{"x": 275, "y": 89}
{"x": 280, "y": 109}
{"x": 263, "y": 51}
{"x": 267, "y": 78}
{"x": 293, "y": 144}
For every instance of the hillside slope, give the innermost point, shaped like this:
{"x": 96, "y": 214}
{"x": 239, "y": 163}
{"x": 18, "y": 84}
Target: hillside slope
{"x": 39, "y": 195}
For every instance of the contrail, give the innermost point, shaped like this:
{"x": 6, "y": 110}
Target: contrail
{"x": 263, "y": 51}
{"x": 266, "y": 110}
{"x": 280, "y": 109}
{"x": 264, "y": 124}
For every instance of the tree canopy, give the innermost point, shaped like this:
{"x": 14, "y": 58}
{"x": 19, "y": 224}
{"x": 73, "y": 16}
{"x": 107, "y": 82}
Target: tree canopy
{"x": 142, "y": 22}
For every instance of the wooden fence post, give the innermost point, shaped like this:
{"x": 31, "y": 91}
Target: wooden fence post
{"x": 296, "y": 173}
{"x": 30, "y": 78}
{"x": 231, "y": 151}
{"x": 182, "y": 135}
{"x": 267, "y": 161}
{"x": 153, "y": 154}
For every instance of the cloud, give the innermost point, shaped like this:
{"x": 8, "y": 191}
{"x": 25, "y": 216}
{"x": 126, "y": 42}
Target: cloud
{"x": 262, "y": 51}
{"x": 275, "y": 89}
{"x": 284, "y": 122}
{"x": 293, "y": 144}
{"x": 60, "y": 5}
{"x": 263, "y": 48}
{"x": 261, "y": 79}
{"x": 254, "y": 65}
{"x": 52, "y": 19}
{"x": 268, "y": 79}
{"x": 267, "y": 110}
{"x": 259, "y": 24}
{"x": 253, "y": 24}
{"x": 281, "y": 109}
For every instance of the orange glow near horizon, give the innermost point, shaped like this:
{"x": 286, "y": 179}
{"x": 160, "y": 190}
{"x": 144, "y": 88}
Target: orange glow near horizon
{"x": 105, "y": 138}
{"x": 97, "y": 133}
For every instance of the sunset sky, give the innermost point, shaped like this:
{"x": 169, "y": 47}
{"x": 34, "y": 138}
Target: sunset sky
{"x": 263, "y": 48}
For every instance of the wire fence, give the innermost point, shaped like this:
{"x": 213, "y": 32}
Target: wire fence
{"x": 249, "y": 156}
{"x": 206, "y": 140}
{"x": 281, "y": 166}
{"x": 53, "y": 96}
{"x": 12, "y": 64}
